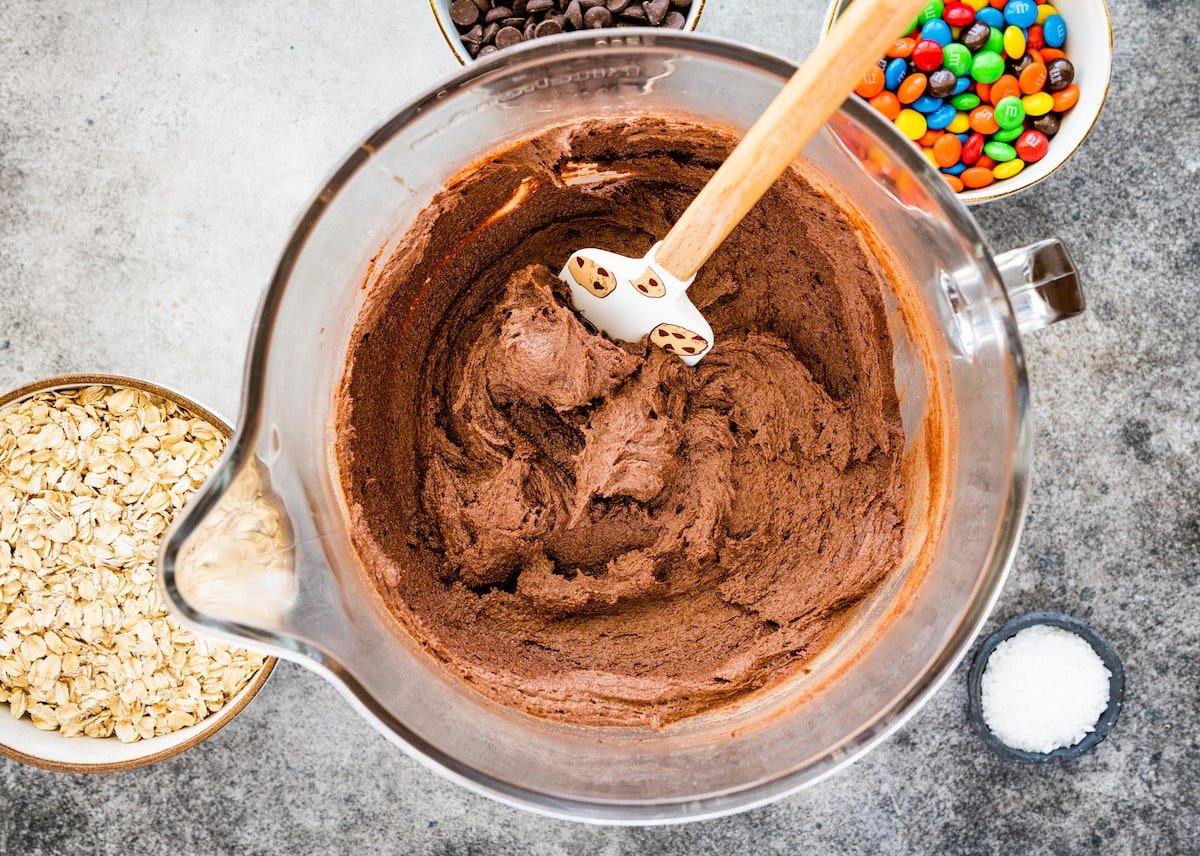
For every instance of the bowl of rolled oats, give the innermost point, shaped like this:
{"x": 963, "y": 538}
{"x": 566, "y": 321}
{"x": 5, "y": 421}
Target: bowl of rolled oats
{"x": 96, "y": 675}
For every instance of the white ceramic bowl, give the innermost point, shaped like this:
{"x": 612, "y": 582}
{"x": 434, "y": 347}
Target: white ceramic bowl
{"x": 22, "y": 741}
{"x": 441, "y": 11}
{"x": 1089, "y": 47}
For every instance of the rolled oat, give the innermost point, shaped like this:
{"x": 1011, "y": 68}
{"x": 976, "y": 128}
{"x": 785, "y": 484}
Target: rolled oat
{"x": 90, "y": 479}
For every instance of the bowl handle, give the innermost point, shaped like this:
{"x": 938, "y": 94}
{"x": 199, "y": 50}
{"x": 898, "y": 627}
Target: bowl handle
{"x": 1042, "y": 283}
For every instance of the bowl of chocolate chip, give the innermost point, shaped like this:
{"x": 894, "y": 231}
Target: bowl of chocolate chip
{"x": 478, "y": 28}
{"x": 583, "y": 577}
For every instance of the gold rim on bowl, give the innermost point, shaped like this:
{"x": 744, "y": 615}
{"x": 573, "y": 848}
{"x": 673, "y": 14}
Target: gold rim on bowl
{"x": 455, "y": 44}
{"x": 207, "y": 727}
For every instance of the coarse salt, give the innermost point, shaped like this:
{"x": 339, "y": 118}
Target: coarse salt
{"x": 1044, "y": 688}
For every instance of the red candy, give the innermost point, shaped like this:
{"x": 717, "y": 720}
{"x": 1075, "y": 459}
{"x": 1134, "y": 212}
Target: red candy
{"x": 1035, "y": 38}
{"x": 1032, "y": 146}
{"x": 972, "y": 149}
{"x": 927, "y": 55}
{"x": 958, "y": 14}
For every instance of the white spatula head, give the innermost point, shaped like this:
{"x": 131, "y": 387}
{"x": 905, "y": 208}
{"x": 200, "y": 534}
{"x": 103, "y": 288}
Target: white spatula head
{"x": 627, "y": 299}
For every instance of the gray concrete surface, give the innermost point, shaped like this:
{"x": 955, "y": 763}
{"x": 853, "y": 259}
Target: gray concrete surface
{"x": 153, "y": 156}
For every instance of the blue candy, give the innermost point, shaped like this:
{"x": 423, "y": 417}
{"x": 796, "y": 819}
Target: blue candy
{"x": 962, "y": 138}
{"x": 1020, "y": 13}
{"x": 958, "y": 169}
{"x": 961, "y": 86}
{"x": 938, "y": 31}
{"x": 941, "y": 117}
{"x": 1055, "y": 31}
{"x": 894, "y": 73}
{"x": 993, "y": 17}
{"x": 927, "y": 104}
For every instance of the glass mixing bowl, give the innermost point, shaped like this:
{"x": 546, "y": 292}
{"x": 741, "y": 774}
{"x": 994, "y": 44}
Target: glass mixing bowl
{"x": 261, "y": 556}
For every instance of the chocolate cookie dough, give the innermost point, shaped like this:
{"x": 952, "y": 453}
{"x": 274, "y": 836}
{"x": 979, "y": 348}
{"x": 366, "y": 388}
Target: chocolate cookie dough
{"x": 595, "y": 532}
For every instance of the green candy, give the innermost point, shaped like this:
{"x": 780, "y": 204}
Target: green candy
{"x": 933, "y": 9}
{"x": 916, "y": 22}
{"x": 967, "y": 102}
{"x": 1009, "y": 134}
{"x": 995, "y": 42}
{"x": 1010, "y": 112}
{"x": 999, "y": 152}
{"x": 987, "y": 66}
{"x": 957, "y": 58}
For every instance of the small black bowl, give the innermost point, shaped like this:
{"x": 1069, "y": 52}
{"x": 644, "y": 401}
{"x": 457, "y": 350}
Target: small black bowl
{"x": 1116, "y": 686}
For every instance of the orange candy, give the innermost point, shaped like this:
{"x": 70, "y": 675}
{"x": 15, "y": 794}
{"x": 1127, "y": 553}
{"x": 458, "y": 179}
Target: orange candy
{"x": 887, "y": 104}
{"x": 1051, "y": 53}
{"x": 930, "y": 138}
{"x": 1033, "y": 78}
{"x": 1007, "y": 85}
{"x": 1038, "y": 56}
{"x": 1066, "y": 99}
{"x": 976, "y": 177}
{"x": 983, "y": 120}
{"x": 902, "y": 48}
{"x": 998, "y": 4}
{"x": 983, "y": 90}
{"x": 871, "y": 83}
{"x": 912, "y": 88}
{"x": 985, "y": 162}
{"x": 955, "y": 183}
{"x": 947, "y": 150}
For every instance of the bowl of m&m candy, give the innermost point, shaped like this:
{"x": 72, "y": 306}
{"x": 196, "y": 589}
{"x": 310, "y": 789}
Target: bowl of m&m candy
{"x": 996, "y": 93}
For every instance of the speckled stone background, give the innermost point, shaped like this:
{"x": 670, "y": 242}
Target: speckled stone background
{"x": 153, "y": 156}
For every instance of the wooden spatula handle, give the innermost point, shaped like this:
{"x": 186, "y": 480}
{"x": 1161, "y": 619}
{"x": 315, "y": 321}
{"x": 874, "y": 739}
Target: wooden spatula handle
{"x": 859, "y": 37}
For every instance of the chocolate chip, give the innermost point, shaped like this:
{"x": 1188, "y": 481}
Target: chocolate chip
{"x": 464, "y": 13}
{"x": 656, "y": 11}
{"x": 480, "y": 23}
{"x": 597, "y": 17}
{"x": 473, "y": 37}
{"x": 508, "y": 36}
{"x": 575, "y": 14}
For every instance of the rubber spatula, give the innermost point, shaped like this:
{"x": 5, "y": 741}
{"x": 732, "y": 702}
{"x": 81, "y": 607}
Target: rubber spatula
{"x": 629, "y": 298}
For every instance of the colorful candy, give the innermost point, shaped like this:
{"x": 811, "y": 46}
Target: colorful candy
{"x": 979, "y": 85}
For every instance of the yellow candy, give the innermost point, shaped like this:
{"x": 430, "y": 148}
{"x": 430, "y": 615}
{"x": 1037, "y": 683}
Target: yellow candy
{"x": 1014, "y": 42}
{"x": 928, "y": 152}
{"x": 955, "y": 32}
{"x": 911, "y": 124}
{"x": 1038, "y": 104}
{"x": 961, "y": 123}
{"x": 1044, "y": 12}
{"x": 976, "y": 4}
{"x": 1008, "y": 169}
